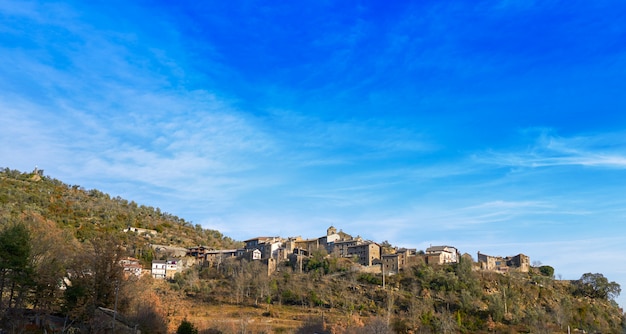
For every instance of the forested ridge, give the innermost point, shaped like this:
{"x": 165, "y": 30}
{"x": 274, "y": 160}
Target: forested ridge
{"x": 60, "y": 248}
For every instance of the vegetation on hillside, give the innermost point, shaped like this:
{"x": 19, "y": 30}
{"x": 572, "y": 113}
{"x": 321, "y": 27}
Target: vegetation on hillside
{"x": 89, "y": 213}
{"x": 60, "y": 248}
{"x": 427, "y": 299}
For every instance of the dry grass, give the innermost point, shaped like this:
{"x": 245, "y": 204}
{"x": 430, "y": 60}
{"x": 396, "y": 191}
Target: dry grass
{"x": 250, "y": 319}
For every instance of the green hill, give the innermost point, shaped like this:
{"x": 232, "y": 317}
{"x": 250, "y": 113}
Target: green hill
{"x": 87, "y": 213}
{"x": 60, "y": 248}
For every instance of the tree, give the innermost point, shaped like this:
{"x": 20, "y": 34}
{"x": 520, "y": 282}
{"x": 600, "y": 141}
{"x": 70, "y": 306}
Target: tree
{"x": 318, "y": 261}
{"x": 186, "y": 327}
{"x": 107, "y": 270}
{"x": 546, "y": 271}
{"x": 50, "y": 253}
{"x": 377, "y": 325}
{"x": 96, "y": 277}
{"x": 597, "y": 286}
{"x": 146, "y": 307}
{"x": 15, "y": 269}
{"x": 386, "y": 248}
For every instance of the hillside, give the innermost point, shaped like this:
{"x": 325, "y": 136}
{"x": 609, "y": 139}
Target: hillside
{"x": 60, "y": 247}
{"x": 87, "y": 213}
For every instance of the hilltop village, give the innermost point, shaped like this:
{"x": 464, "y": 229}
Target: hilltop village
{"x": 67, "y": 241}
{"x": 366, "y": 255}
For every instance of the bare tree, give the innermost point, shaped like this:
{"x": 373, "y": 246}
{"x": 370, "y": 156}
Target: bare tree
{"x": 377, "y": 325}
{"x": 96, "y": 276}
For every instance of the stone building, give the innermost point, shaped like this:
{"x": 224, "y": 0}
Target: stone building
{"x": 519, "y": 262}
{"x": 393, "y": 263}
{"x": 366, "y": 252}
{"x": 442, "y": 255}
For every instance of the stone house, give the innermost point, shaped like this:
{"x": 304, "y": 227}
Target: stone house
{"x": 309, "y": 245}
{"x": 272, "y": 249}
{"x": 393, "y": 263}
{"x": 249, "y": 254}
{"x": 441, "y": 255}
{"x": 390, "y": 263}
{"x": 519, "y": 262}
{"x": 296, "y": 258}
{"x": 290, "y": 244}
{"x": 218, "y": 256}
{"x": 199, "y": 252}
{"x": 366, "y": 252}
{"x": 340, "y": 248}
{"x": 171, "y": 268}
{"x": 257, "y": 242}
{"x": 268, "y": 246}
{"x": 131, "y": 266}
{"x": 332, "y": 236}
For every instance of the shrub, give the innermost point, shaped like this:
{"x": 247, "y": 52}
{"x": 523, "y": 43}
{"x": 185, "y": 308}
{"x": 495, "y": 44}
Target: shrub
{"x": 546, "y": 271}
{"x": 186, "y": 327}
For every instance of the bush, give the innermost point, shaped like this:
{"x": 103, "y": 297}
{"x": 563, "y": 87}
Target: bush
{"x": 546, "y": 271}
{"x": 186, "y": 327}
{"x": 369, "y": 278}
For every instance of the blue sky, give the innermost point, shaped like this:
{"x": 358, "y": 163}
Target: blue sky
{"x": 492, "y": 126}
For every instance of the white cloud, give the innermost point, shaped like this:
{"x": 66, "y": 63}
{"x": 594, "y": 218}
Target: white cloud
{"x": 111, "y": 110}
{"x": 105, "y": 119}
{"x": 600, "y": 150}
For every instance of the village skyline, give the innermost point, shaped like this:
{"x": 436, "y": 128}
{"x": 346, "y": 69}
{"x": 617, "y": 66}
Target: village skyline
{"x": 274, "y": 252}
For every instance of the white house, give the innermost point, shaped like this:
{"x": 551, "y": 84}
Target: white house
{"x": 159, "y": 269}
{"x": 131, "y": 266}
{"x": 442, "y": 254}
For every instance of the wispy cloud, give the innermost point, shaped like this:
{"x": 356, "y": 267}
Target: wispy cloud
{"x": 131, "y": 125}
{"x": 488, "y": 213}
{"x": 105, "y": 111}
{"x": 377, "y": 124}
{"x": 353, "y": 139}
{"x": 600, "y": 150}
